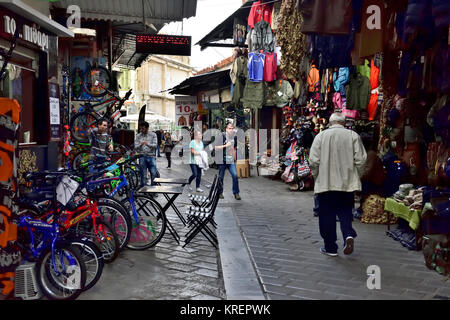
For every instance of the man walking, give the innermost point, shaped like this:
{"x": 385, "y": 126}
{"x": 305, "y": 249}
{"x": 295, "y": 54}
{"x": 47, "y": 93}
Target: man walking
{"x": 101, "y": 142}
{"x": 229, "y": 155}
{"x": 337, "y": 159}
{"x": 146, "y": 143}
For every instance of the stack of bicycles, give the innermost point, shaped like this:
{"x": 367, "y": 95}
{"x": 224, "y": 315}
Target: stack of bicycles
{"x": 71, "y": 222}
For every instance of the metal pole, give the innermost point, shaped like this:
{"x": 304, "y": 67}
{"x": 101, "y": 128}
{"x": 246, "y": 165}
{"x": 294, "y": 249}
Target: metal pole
{"x": 143, "y": 15}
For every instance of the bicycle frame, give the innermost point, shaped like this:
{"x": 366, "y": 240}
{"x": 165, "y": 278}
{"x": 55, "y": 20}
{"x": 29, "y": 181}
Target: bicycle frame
{"x": 71, "y": 218}
{"x": 50, "y": 232}
{"x": 123, "y": 183}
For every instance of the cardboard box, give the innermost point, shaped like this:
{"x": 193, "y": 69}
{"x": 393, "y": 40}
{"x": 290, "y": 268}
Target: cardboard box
{"x": 243, "y": 168}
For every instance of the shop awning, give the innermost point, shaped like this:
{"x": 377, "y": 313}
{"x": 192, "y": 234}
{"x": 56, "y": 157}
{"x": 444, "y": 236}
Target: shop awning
{"x": 133, "y": 11}
{"x": 224, "y": 30}
{"x": 205, "y": 82}
{"x": 26, "y": 11}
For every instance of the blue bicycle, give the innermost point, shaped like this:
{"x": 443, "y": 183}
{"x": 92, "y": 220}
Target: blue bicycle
{"x": 147, "y": 217}
{"x": 61, "y": 272}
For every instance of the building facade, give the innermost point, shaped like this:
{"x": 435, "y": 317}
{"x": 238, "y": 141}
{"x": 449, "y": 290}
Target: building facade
{"x": 154, "y": 77}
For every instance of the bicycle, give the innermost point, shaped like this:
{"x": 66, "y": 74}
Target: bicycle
{"x": 149, "y": 223}
{"x": 61, "y": 273}
{"x": 79, "y": 215}
{"x": 87, "y": 117}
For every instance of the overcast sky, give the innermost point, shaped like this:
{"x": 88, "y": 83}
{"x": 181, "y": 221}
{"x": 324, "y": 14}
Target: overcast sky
{"x": 210, "y": 13}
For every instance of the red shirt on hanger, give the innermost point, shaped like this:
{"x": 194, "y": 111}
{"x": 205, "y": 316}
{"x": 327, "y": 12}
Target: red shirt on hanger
{"x": 270, "y": 67}
{"x": 260, "y": 11}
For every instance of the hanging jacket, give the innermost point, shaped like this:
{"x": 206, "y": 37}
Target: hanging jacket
{"x": 441, "y": 13}
{"x": 374, "y": 83}
{"x": 260, "y": 11}
{"x": 340, "y": 79}
{"x": 240, "y": 72}
{"x": 358, "y": 92}
{"x": 418, "y": 16}
{"x": 284, "y": 92}
{"x": 331, "y": 51}
{"x": 364, "y": 69}
{"x": 262, "y": 37}
{"x": 253, "y": 97}
{"x": 313, "y": 78}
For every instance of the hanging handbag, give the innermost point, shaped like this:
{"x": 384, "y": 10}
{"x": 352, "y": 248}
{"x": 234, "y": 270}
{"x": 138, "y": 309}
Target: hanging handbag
{"x": 288, "y": 174}
{"x": 303, "y": 168}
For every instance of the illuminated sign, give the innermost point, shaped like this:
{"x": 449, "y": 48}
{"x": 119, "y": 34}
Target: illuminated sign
{"x": 164, "y": 44}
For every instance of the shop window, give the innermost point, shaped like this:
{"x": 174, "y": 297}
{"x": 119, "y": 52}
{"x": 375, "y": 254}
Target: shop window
{"x": 18, "y": 84}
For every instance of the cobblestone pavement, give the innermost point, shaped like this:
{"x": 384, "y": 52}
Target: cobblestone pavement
{"x": 283, "y": 238}
{"x": 167, "y": 271}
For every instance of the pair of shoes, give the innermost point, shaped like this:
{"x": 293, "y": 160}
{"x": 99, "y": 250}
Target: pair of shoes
{"x": 199, "y": 190}
{"x": 331, "y": 254}
{"x": 237, "y": 197}
{"x": 349, "y": 245}
{"x": 221, "y": 196}
{"x": 316, "y": 214}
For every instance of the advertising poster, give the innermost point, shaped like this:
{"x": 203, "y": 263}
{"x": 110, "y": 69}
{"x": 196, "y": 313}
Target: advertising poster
{"x": 186, "y": 110}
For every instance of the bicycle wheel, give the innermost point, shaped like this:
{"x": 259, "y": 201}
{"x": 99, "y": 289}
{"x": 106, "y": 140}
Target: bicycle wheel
{"x": 92, "y": 258}
{"x": 69, "y": 279}
{"x": 100, "y": 74}
{"x": 104, "y": 237}
{"x": 132, "y": 176}
{"x": 80, "y": 160}
{"x": 152, "y": 223}
{"x": 80, "y": 125}
{"x": 117, "y": 216}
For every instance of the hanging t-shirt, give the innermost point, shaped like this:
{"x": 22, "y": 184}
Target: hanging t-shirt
{"x": 260, "y": 11}
{"x": 270, "y": 67}
{"x": 256, "y": 66}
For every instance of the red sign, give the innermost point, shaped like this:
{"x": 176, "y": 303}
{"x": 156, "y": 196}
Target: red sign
{"x": 164, "y": 44}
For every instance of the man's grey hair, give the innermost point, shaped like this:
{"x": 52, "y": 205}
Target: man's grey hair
{"x": 337, "y": 117}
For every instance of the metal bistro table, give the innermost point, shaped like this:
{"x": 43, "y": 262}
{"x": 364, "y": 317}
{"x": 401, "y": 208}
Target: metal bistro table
{"x": 166, "y": 191}
{"x": 182, "y": 182}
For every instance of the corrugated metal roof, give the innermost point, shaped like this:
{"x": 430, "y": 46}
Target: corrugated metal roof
{"x": 204, "y": 82}
{"x": 131, "y": 11}
{"x": 224, "y": 30}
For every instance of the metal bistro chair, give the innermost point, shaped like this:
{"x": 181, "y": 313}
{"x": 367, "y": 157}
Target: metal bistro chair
{"x": 199, "y": 217}
{"x": 201, "y": 201}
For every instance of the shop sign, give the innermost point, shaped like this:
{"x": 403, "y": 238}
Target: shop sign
{"x": 185, "y": 108}
{"x": 164, "y": 44}
{"x": 55, "y": 119}
{"x": 29, "y": 33}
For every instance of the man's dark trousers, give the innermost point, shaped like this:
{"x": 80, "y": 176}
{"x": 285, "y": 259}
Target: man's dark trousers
{"x": 332, "y": 204}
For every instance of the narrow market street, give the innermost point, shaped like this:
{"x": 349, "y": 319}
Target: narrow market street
{"x": 208, "y": 151}
{"x": 283, "y": 241}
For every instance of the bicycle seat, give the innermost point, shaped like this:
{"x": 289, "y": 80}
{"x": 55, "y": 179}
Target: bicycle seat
{"x": 50, "y": 178}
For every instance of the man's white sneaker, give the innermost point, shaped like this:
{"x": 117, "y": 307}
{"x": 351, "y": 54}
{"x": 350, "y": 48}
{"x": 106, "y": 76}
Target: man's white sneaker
{"x": 331, "y": 254}
{"x": 199, "y": 190}
{"x": 349, "y": 245}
